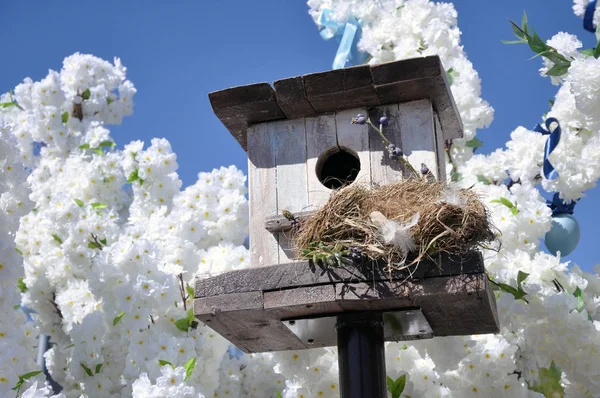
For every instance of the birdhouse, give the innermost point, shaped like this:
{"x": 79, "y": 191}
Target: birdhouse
{"x": 302, "y": 145}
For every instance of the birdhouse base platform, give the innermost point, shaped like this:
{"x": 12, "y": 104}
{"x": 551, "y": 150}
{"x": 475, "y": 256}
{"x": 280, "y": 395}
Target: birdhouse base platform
{"x": 299, "y": 305}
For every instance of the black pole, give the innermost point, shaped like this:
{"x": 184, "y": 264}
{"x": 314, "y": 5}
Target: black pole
{"x": 361, "y": 356}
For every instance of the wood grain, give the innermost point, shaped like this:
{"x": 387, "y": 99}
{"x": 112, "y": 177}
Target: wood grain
{"x": 262, "y": 192}
{"x": 301, "y": 274}
{"x": 292, "y": 98}
{"x": 418, "y": 134}
{"x": 320, "y": 138}
{"x": 356, "y": 138}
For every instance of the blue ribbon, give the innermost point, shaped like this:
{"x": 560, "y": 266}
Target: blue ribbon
{"x": 551, "y": 144}
{"x": 348, "y": 34}
{"x": 559, "y": 207}
{"x": 588, "y": 17}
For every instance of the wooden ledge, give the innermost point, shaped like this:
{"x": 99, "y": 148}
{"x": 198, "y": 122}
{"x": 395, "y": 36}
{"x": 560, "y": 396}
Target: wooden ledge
{"x": 248, "y": 306}
{"x": 317, "y": 93}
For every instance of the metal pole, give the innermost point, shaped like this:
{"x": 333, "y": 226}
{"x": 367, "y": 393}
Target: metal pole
{"x": 361, "y": 356}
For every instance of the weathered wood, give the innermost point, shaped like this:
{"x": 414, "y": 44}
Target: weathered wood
{"x": 418, "y": 134}
{"x": 361, "y": 86}
{"x": 289, "y": 144}
{"x": 356, "y": 138}
{"x": 440, "y": 149}
{"x": 385, "y": 170}
{"x": 453, "y": 305}
{"x": 320, "y": 138}
{"x": 291, "y": 98}
{"x": 262, "y": 180}
{"x": 340, "y": 89}
{"x": 458, "y": 305}
{"x": 242, "y": 106}
{"x": 371, "y": 296}
{"x": 279, "y": 223}
{"x": 240, "y": 318}
{"x": 303, "y": 301}
{"x": 415, "y": 79}
{"x": 300, "y": 274}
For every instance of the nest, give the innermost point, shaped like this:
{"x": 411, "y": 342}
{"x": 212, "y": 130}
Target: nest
{"x": 449, "y": 220}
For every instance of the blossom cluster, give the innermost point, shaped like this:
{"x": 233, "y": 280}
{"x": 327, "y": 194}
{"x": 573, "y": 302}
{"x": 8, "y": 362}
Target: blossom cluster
{"x": 109, "y": 243}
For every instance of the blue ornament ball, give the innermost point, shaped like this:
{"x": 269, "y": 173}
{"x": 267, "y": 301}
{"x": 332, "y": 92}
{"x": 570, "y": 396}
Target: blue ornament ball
{"x": 564, "y": 235}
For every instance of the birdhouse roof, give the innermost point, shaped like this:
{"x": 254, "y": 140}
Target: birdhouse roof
{"x": 317, "y": 93}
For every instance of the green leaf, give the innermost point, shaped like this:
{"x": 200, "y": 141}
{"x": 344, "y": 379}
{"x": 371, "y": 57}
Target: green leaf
{"x": 94, "y": 245}
{"x": 579, "y": 294}
{"x": 521, "y": 276}
{"x": 86, "y": 94}
{"x": 190, "y": 315}
{"x": 133, "y": 176}
{"x": 109, "y": 100}
{"x": 87, "y": 370}
{"x": 21, "y": 285}
{"x": 84, "y": 146}
{"x": 597, "y": 51}
{"x": 29, "y": 375}
{"x": 107, "y": 143}
{"x": 508, "y": 204}
{"x": 118, "y": 318}
{"x": 98, "y": 367}
{"x": 7, "y": 104}
{"x": 483, "y": 179}
{"x": 65, "y": 117}
{"x": 24, "y": 377}
{"x": 519, "y": 32}
{"x": 162, "y": 362}
{"x": 555, "y": 57}
{"x": 518, "y": 294}
{"x": 513, "y": 41}
{"x": 182, "y": 324}
{"x": 537, "y": 44}
{"x": 588, "y": 51}
{"x": 103, "y": 241}
{"x": 189, "y": 367}
{"x": 189, "y": 290}
{"x": 558, "y": 70}
{"x": 69, "y": 346}
{"x": 79, "y": 202}
{"x": 451, "y": 74}
{"x": 474, "y": 143}
{"x": 16, "y": 306}
{"x": 524, "y": 24}
{"x": 18, "y": 251}
{"x": 57, "y": 238}
{"x": 98, "y": 205}
{"x": 98, "y": 151}
{"x": 278, "y": 394}
{"x": 396, "y": 387}
{"x": 549, "y": 382}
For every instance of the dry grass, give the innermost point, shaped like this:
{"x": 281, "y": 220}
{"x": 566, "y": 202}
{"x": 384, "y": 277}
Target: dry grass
{"x": 450, "y": 220}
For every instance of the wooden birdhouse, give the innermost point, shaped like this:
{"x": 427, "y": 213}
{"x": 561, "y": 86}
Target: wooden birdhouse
{"x": 301, "y": 145}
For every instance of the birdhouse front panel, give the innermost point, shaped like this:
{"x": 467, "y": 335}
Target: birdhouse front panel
{"x": 302, "y": 143}
{"x": 294, "y": 165}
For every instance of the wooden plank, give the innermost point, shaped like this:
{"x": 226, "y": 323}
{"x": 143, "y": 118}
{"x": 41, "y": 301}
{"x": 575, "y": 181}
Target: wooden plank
{"x": 240, "y": 318}
{"x": 300, "y": 274}
{"x": 242, "y": 106}
{"x": 408, "y": 69}
{"x": 418, "y": 134}
{"x": 301, "y": 302}
{"x": 457, "y": 305}
{"x": 279, "y": 223}
{"x": 440, "y": 148}
{"x": 340, "y": 89}
{"x": 262, "y": 183}
{"x": 320, "y": 138}
{"x": 373, "y": 296}
{"x": 288, "y": 140}
{"x": 384, "y": 170}
{"x": 356, "y": 138}
{"x": 292, "y": 98}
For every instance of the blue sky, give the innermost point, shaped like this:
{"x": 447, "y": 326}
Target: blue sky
{"x": 178, "y": 51}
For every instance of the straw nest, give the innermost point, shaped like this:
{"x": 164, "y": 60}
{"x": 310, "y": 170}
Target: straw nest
{"x": 449, "y": 220}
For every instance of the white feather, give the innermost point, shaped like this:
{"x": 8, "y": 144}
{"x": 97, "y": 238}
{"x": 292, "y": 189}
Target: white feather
{"x": 395, "y": 233}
